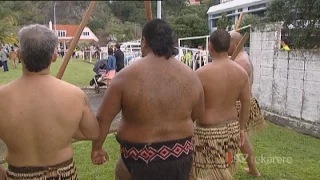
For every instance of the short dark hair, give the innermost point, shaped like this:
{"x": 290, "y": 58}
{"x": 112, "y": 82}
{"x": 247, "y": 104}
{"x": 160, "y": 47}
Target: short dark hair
{"x": 118, "y": 46}
{"x": 220, "y": 40}
{"x": 285, "y": 40}
{"x": 159, "y": 37}
{"x": 110, "y": 51}
{"x": 37, "y": 44}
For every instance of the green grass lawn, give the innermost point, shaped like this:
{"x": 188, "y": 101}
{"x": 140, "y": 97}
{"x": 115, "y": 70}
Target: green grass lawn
{"x": 299, "y": 157}
{"x": 77, "y": 72}
{"x": 282, "y": 154}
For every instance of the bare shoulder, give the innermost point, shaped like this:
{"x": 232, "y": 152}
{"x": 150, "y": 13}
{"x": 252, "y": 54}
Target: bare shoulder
{"x": 244, "y": 61}
{"x": 6, "y": 88}
{"x": 242, "y": 72}
{"x": 68, "y": 88}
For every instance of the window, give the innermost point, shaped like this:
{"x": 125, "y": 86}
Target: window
{"x": 62, "y": 33}
{"x": 257, "y": 6}
{"x": 215, "y": 15}
{"x": 240, "y": 10}
{"x": 214, "y": 23}
{"x": 85, "y": 33}
{"x": 231, "y": 12}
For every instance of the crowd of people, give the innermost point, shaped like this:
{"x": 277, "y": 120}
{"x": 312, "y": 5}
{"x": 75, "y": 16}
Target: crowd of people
{"x": 106, "y": 69}
{"x": 8, "y": 55}
{"x": 176, "y": 123}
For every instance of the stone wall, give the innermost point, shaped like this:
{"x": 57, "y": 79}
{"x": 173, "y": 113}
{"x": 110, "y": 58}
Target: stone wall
{"x": 287, "y": 84}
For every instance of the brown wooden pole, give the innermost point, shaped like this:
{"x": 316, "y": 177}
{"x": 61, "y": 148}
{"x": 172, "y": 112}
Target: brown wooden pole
{"x": 148, "y": 7}
{"x": 240, "y": 46}
{"x": 75, "y": 40}
{"x": 239, "y": 21}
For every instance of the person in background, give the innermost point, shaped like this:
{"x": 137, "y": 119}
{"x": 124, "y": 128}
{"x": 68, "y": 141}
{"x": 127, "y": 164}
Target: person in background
{"x": 119, "y": 58}
{"x": 111, "y": 64}
{"x": 4, "y": 59}
{"x": 13, "y": 57}
{"x": 187, "y": 59}
{"x": 256, "y": 120}
{"x": 285, "y": 44}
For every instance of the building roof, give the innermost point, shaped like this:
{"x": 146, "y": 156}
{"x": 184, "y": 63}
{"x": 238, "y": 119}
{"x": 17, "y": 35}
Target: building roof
{"x": 71, "y": 29}
{"x": 233, "y": 5}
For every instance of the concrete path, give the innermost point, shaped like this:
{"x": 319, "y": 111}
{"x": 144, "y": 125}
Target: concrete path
{"x": 95, "y": 100}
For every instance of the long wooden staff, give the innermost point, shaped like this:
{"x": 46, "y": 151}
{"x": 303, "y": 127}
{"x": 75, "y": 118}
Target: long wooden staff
{"x": 240, "y": 46}
{"x": 147, "y": 5}
{"x": 75, "y": 39}
{"x": 239, "y": 21}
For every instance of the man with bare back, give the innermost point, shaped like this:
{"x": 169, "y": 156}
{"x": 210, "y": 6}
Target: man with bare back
{"x": 220, "y": 132}
{"x": 160, "y": 99}
{"x": 40, "y": 115}
{"x": 256, "y": 117}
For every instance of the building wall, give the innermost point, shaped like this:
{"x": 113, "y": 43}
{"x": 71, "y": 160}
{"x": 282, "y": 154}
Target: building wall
{"x": 236, "y": 11}
{"x": 286, "y": 84}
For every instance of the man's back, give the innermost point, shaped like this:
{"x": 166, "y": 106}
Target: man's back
{"x": 157, "y": 101}
{"x": 41, "y": 114}
{"x": 243, "y": 60}
{"x": 223, "y": 81}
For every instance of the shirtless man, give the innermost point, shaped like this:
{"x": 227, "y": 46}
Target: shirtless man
{"x": 217, "y": 134}
{"x": 256, "y": 118}
{"x": 40, "y": 115}
{"x": 160, "y": 99}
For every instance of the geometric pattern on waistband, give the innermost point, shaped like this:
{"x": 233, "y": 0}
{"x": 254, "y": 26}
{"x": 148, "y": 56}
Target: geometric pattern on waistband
{"x": 148, "y": 153}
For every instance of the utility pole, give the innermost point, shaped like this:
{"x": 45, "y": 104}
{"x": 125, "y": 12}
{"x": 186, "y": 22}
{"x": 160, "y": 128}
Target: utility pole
{"x": 54, "y": 17}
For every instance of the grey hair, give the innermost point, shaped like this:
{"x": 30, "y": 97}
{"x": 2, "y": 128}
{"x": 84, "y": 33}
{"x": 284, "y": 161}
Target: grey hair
{"x": 37, "y": 46}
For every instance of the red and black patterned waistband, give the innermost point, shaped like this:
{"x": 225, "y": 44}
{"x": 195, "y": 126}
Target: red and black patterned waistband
{"x": 155, "y": 152}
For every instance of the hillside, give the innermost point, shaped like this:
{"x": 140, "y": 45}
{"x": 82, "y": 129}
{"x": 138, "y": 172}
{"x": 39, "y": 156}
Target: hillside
{"x": 122, "y": 19}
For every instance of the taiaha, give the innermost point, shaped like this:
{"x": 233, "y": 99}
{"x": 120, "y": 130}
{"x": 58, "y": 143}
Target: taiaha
{"x": 147, "y": 5}
{"x": 239, "y": 22}
{"x": 75, "y": 40}
{"x": 240, "y": 46}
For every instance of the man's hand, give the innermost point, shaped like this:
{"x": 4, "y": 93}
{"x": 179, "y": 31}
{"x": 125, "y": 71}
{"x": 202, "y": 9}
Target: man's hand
{"x": 2, "y": 173}
{"x": 99, "y": 156}
{"x": 242, "y": 137}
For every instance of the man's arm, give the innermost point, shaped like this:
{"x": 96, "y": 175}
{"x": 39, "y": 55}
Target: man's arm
{"x": 110, "y": 107}
{"x": 198, "y": 109}
{"x": 2, "y": 173}
{"x": 88, "y": 127}
{"x": 244, "y": 98}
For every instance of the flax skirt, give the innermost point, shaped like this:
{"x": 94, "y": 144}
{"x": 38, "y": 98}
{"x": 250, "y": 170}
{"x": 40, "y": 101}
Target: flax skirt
{"x": 64, "y": 171}
{"x": 256, "y": 120}
{"x": 215, "y": 151}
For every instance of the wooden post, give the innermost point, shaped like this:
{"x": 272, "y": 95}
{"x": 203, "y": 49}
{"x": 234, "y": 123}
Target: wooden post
{"x": 239, "y": 21}
{"x": 75, "y": 40}
{"x": 148, "y": 7}
{"x": 240, "y": 46}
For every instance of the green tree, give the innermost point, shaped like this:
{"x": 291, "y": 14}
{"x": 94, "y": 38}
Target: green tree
{"x": 299, "y": 19}
{"x": 223, "y": 22}
{"x": 192, "y": 21}
{"x": 249, "y": 19}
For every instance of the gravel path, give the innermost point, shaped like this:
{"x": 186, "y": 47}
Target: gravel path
{"x": 95, "y": 100}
